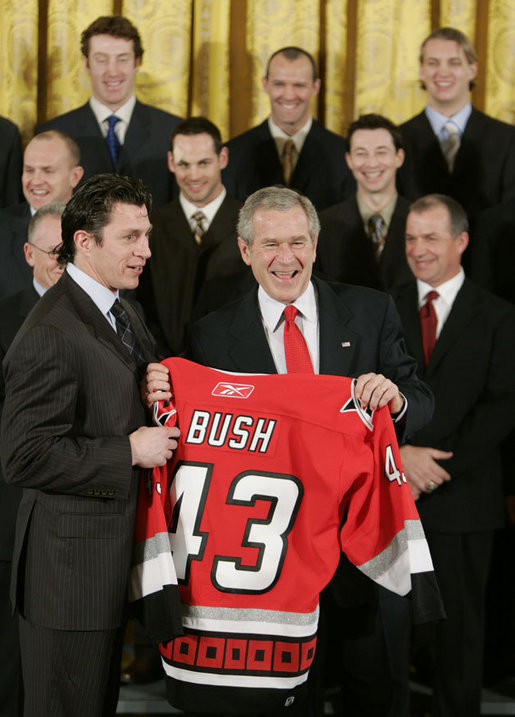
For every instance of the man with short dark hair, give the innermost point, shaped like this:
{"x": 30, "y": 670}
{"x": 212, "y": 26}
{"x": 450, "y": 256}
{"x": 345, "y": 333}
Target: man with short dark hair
{"x": 451, "y": 147}
{"x": 115, "y": 131}
{"x": 51, "y": 171}
{"x": 193, "y": 237}
{"x": 74, "y": 437}
{"x": 362, "y": 239}
{"x": 464, "y": 340}
{"x": 290, "y": 147}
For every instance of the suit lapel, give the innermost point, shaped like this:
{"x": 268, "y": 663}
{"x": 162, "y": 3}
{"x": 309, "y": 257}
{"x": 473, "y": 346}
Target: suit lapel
{"x": 250, "y": 346}
{"x": 137, "y": 136}
{"x": 339, "y": 344}
{"x": 463, "y": 311}
{"x": 407, "y": 306}
{"x": 309, "y": 158}
{"x": 268, "y": 163}
{"x": 94, "y": 322}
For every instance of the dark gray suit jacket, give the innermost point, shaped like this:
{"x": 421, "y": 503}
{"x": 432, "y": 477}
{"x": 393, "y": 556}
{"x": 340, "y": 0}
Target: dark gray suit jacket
{"x": 72, "y": 398}
{"x": 471, "y": 375}
{"x": 179, "y": 268}
{"x": 143, "y": 153}
{"x": 359, "y": 332}
{"x": 321, "y": 172}
{"x": 346, "y": 254}
{"x": 15, "y": 273}
{"x": 11, "y": 160}
{"x": 14, "y": 310}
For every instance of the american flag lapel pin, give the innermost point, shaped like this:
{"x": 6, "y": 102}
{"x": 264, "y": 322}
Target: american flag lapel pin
{"x": 345, "y": 344}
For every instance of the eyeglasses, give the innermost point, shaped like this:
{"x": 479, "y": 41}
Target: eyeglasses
{"x": 49, "y": 252}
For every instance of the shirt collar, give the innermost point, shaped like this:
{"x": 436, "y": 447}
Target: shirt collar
{"x": 447, "y": 291}
{"x": 386, "y": 212}
{"x": 209, "y": 210}
{"x": 281, "y": 137}
{"x": 101, "y": 296}
{"x": 272, "y": 310}
{"x": 101, "y": 112}
{"x": 40, "y": 290}
{"x": 438, "y": 120}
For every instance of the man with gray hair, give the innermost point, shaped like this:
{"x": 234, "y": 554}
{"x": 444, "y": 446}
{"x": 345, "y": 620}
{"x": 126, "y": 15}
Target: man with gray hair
{"x": 41, "y": 255}
{"x": 464, "y": 340}
{"x": 349, "y": 331}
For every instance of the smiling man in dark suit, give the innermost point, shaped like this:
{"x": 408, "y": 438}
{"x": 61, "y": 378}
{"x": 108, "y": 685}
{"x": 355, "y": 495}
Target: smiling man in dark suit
{"x": 362, "y": 239}
{"x": 193, "y": 237}
{"x": 464, "y": 340}
{"x": 290, "y": 147}
{"x": 452, "y": 147}
{"x": 51, "y": 171}
{"x": 115, "y": 131}
{"x": 74, "y": 437}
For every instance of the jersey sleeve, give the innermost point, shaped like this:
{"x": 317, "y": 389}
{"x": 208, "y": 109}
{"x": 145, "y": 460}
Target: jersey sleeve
{"x": 382, "y": 533}
{"x": 153, "y": 588}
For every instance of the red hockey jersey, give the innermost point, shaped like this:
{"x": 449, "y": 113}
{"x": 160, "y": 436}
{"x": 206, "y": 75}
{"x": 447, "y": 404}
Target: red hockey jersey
{"x": 273, "y": 476}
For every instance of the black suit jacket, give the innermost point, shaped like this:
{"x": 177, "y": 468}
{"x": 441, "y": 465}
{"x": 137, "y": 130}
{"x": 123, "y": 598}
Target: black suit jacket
{"x": 14, "y": 310}
{"x": 179, "y": 268}
{"x": 359, "y": 332}
{"x": 484, "y": 171}
{"x": 143, "y": 153}
{"x": 321, "y": 172}
{"x": 72, "y": 398}
{"x": 15, "y": 273}
{"x": 471, "y": 375}
{"x": 11, "y": 160}
{"x": 346, "y": 254}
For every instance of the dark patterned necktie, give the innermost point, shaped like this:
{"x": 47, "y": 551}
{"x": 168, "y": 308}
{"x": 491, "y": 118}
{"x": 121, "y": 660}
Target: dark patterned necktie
{"x": 288, "y": 161}
{"x": 200, "y": 228}
{"x": 428, "y": 322}
{"x": 126, "y": 334}
{"x": 295, "y": 347}
{"x": 376, "y": 232}
{"x": 112, "y": 140}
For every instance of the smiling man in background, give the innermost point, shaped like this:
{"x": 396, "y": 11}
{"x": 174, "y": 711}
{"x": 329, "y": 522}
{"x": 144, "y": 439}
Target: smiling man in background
{"x": 51, "y": 171}
{"x": 193, "y": 237}
{"x": 290, "y": 147}
{"x": 115, "y": 131}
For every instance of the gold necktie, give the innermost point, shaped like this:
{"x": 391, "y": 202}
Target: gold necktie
{"x": 288, "y": 161}
{"x": 451, "y": 144}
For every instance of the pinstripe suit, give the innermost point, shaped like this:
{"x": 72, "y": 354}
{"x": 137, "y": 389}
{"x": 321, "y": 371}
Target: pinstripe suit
{"x": 72, "y": 398}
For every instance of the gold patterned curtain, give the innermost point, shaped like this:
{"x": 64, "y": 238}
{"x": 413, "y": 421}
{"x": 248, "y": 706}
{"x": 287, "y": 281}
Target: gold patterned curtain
{"x": 208, "y": 56}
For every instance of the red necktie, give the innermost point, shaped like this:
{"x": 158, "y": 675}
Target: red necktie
{"x": 295, "y": 348}
{"x": 428, "y": 323}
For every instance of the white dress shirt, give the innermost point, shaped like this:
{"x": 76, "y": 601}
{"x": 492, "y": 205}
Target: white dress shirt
{"x": 209, "y": 210}
{"x": 100, "y": 295}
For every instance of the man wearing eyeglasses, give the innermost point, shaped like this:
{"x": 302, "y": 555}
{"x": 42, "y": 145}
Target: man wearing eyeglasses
{"x": 44, "y": 236}
{"x": 51, "y": 171}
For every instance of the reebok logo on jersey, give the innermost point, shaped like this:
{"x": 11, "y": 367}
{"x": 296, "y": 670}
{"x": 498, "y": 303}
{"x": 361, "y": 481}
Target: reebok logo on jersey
{"x": 232, "y": 390}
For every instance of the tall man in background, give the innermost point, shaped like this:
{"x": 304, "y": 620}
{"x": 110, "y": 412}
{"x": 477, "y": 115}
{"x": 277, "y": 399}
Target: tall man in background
{"x": 290, "y": 147}
{"x": 51, "y": 171}
{"x": 115, "y": 131}
{"x": 74, "y": 437}
{"x": 451, "y": 147}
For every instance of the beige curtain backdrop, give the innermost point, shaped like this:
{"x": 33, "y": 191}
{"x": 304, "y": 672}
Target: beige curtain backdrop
{"x": 208, "y": 56}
